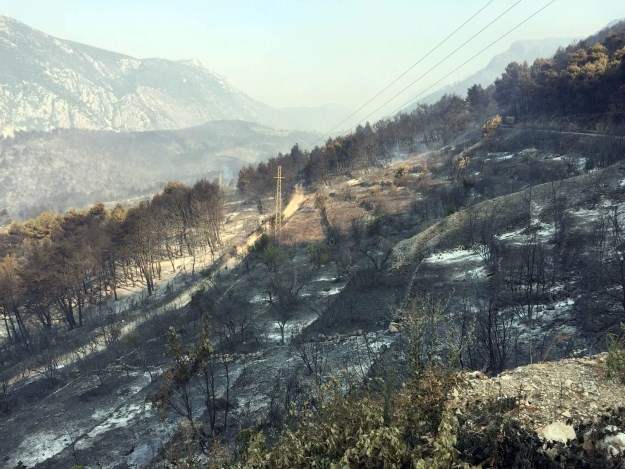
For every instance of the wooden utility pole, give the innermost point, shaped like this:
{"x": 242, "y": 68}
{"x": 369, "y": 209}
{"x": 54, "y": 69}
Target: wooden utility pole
{"x": 277, "y": 226}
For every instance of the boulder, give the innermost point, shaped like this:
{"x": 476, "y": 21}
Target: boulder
{"x": 557, "y": 431}
{"x": 613, "y": 445}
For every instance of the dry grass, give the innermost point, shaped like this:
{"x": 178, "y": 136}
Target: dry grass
{"x": 304, "y": 226}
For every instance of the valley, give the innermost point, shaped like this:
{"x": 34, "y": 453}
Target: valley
{"x": 122, "y": 391}
{"x": 182, "y": 285}
{"x": 61, "y": 174}
{"x": 347, "y": 313}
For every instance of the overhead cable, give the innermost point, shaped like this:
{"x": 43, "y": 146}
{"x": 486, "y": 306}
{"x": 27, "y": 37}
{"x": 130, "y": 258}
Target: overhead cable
{"x": 408, "y": 70}
{"x": 450, "y": 54}
{"x": 407, "y": 103}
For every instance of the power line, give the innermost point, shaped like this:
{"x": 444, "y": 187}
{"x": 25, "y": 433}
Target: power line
{"x": 467, "y": 61}
{"x": 443, "y": 60}
{"x": 408, "y": 70}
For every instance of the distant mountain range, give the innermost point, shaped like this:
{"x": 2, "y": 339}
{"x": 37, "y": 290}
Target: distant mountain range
{"x": 48, "y": 83}
{"x": 67, "y": 168}
{"x": 86, "y": 124}
{"x": 519, "y": 51}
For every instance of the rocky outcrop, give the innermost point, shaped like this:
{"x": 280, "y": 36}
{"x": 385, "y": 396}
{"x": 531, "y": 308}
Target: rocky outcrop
{"x": 572, "y": 390}
{"x": 568, "y": 401}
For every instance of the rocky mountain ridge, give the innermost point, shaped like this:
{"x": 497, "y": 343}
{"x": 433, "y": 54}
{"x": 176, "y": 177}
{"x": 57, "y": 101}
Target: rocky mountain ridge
{"x": 48, "y": 83}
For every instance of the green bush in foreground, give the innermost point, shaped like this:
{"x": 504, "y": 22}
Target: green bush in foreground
{"x": 418, "y": 429}
{"x": 616, "y": 355}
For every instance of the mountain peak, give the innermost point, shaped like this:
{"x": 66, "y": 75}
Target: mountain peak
{"x": 6, "y": 22}
{"x": 53, "y": 83}
{"x": 192, "y": 62}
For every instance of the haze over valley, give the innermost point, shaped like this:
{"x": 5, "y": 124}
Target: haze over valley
{"x": 316, "y": 271}
{"x": 50, "y": 84}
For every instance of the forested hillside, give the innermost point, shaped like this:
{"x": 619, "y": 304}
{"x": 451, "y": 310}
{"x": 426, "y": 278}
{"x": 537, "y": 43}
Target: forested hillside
{"x": 74, "y": 168}
{"x": 582, "y": 85}
{"x": 583, "y": 82}
{"x": 61, "y": 264}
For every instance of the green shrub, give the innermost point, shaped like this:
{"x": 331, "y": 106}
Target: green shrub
{"x": 449, "y": 210}
{"x": 616, "y": 355}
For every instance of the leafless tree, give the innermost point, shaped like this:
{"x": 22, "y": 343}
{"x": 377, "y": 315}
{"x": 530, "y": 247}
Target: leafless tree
{"x": 282, "y": 298}
{"x": 495, "y": 329}
{"x": 531, "y": 274}
{"x": 313, "y": 356}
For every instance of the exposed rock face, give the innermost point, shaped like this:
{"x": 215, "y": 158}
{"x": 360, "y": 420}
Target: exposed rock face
{"x": 554, "y": 397}
{"x": 48, "y": 83}
{"x": 572, "y": 389}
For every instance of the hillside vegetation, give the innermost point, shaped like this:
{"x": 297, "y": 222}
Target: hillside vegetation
{"x": 419, "y": 256}
{"x": 73, "y": 168}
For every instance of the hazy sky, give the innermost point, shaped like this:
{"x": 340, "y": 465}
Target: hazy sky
{"x": 310, "y": 52}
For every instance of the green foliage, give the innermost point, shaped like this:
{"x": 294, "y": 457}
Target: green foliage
{"x": 366, "y": 146}
{"x": 202, "y": 350}
{"x": 65, "y": 263}
{"x": 252, "y": 447}
{"x": 449, "y": 210}
{"x": 414, "y": 427}
{"x": 318, "y": 254}
{"x": 184, "y": 365}
{"x": 271, "y": 255}
{"x": 444, "y": 451}
{"x": 260, "y": 180}
{"x": 426, "y": 429}
{"x": 181, "y": 371}
{"x": 382, "y": 446}
{"x": 616, "y": 355}
{"x": 583, "y": 79}
{"x": 352, "y": 431}
{"x": 181, "y": 377}
{"x": 478, "y": 99}
{"x": 274, "y": 254}
{"x": 260, "y": 244}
